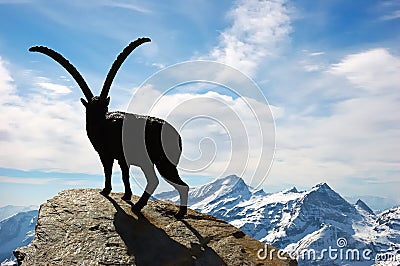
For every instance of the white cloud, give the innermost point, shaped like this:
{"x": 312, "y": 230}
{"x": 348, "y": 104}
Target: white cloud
{"x": 221, "y": 135}
{"x": 55, "y": 88}
{"x": 158, "y": 65}
{"x": 355, "y": 137}
{"x": 373, "y": 70}
{"x": 125, "y": 5}
{"x": 393, "y": 15}
{"x": 221, "y": 112}
{"x": 257, "y": 29}
{"x": 14, "y": 1}
{"x": 317, "y": 53}
{"x": 26, "y": 180}
{"x": 6, "y": 83}
{"x": 48, "y": 133}
{"x": 5, "y": 76}
{"x": 311, "y": 67}
{"x": 38, "y": 132}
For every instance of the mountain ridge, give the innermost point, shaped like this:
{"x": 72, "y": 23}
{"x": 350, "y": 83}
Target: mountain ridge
{"x": 299, "y": 220}
{"x": 16, "y": 231}
{"x": 10, "y": 210}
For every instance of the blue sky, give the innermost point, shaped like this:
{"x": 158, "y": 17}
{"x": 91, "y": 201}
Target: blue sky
{"x": 327, "y": 68}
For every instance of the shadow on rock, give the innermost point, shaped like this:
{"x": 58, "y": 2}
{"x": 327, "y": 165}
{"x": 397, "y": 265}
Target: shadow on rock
{"x": 203, "y": 253}
{"x": 146, "y": 242}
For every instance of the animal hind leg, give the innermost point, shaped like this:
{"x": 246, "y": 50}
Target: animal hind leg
{"x": 125, "y": 178}
{"x": 152, "y": 183}
{"x": 170, "y": 173}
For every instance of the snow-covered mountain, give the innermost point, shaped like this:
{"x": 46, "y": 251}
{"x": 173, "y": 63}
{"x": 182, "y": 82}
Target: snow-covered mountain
{"x": 16, "y": 231}
{"x": 10, "y": 210}
{"x": 377, "y": 204}
{"x": 209, "y": 198}
{"x": 302, "y": 223}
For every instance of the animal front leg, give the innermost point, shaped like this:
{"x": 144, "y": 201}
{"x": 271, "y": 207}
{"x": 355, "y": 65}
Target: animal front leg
{"x": 107, "y": 165}
{"x": 125, "y": 178}
{"x": 152, "y": 183}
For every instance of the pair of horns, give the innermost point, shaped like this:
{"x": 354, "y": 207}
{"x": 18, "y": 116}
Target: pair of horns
{"x": 78, "y": 77}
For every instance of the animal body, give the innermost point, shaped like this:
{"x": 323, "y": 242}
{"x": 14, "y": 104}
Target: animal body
{"x": 131, "y": 139}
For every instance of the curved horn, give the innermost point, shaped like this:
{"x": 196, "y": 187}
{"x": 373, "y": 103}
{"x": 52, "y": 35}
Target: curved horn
{"x": 117, "y": 64}
{"x": 67, "y": 65}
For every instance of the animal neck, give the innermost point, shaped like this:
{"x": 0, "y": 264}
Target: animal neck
{"x": 96, "y": 130}
{"x": 95, "y": 120}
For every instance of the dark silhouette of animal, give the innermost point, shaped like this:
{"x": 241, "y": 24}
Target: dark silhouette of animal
{"x": 130, "y": 139}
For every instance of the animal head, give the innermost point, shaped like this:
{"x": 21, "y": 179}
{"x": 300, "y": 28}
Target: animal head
{"x": 93, "y": 104}
{"x": 97, "y": 107}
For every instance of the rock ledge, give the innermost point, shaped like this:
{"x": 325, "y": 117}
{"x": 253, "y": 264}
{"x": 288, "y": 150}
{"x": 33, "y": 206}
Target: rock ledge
{"x": 82, "y": 227}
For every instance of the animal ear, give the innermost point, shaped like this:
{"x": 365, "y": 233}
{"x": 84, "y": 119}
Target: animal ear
{"x": 84, "y": 102}
{"x": 107, "y": 101}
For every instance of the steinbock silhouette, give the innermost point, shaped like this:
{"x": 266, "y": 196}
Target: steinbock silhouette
{"x": 130, "y": 139}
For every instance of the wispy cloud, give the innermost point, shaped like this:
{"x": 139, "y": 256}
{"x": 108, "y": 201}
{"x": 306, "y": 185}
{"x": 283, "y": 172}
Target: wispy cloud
{"x": 351, "y": 136}
{"x": 42, "y": 132}
{"x": 26, "y": 180}
{"x": 14, "y": 1}
{"x": 221, "y": 135}
{"x": 125, "y": 5}
{"x": 394, "y": 15}
{"x": 257, "y": 28}
{"x": 374, "y": 70}
{"x": 55, "y": 88}
{"x": 317, "y": 53}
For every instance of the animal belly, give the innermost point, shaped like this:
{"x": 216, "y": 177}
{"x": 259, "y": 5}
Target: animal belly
{"x": 133, "y": 142}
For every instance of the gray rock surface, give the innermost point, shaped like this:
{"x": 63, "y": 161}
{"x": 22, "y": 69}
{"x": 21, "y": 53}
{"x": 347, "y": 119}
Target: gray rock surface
{"x": 82, "y": 227}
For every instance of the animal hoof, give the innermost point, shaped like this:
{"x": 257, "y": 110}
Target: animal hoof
{"x": 136, "y": 209}
{"x": 181, "y": 213}
{"x": 126, "y": 197}
{"x": 105, "y": 192}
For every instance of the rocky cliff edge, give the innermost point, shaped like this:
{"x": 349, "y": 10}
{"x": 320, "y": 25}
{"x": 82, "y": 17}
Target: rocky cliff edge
{"x": 82, "y": 227}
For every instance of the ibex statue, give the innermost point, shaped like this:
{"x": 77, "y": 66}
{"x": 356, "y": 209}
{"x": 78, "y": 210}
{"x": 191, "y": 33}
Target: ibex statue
{"x": 130, "y": 139}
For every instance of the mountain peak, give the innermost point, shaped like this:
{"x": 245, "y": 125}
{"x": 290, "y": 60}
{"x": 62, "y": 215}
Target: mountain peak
{"x": 325, "y": 192}
{"x": 322, "y": 195}
{"x": 363, "y": 206}
{"x": 80, "y": 226}
{"x": 259, "y": 192}
{"x": 322, "y": 186}
{"x": 226, "y": 184}
{"x": 290, "y": 190}
{"x": 230, "y": 180}
{"x": 232, "y": 187}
